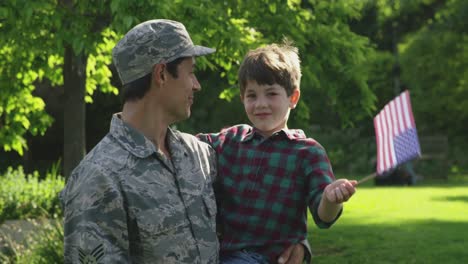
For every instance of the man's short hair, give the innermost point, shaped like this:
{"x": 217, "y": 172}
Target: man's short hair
{"x": 136, "y": 89}
{"x": 274, "y": 63}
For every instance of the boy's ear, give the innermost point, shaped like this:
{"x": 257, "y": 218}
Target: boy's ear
{"x": 241, "y": 97}
{"x": 294, "y": 98}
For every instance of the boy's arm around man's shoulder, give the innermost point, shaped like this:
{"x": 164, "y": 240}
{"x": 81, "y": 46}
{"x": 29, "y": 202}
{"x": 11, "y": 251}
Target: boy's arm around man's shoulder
{"x": 217, "y": 139}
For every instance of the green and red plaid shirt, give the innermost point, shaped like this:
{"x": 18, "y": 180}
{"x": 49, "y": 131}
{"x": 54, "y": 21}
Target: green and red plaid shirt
{"x": 264, "y": 187}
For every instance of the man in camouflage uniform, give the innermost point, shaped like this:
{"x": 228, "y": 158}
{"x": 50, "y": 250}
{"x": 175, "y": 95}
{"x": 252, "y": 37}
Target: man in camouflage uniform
{"x": 144, "y": 194}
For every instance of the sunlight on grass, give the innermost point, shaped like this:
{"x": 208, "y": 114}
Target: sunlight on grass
{"x": 400, "y": 204}
{"x": 421, "y": 224}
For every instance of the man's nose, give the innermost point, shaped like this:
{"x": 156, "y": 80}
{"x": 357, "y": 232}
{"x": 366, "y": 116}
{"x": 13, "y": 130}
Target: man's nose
{"x": 196, "y": 84}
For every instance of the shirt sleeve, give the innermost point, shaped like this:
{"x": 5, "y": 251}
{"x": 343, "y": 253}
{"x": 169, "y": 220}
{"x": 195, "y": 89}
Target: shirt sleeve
{"x": 95, "y": 219}
{"x": 319, "y": 175}
{"x": 209, "y": 138}
{"x": 308, "y": 250}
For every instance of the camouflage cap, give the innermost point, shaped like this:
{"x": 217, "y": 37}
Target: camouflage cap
{"x": 152, "y": 42}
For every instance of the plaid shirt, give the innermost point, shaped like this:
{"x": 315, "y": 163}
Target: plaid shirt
{"x": 264, "y": 187}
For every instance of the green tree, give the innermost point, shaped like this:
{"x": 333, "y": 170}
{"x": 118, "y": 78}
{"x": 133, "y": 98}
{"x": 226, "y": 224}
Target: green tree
{"x": 421, "y": 46}
{"x": 67, "y": 43}
{"x": 435, "y": 66}
{"x": 51, "y": 41}
{"x": 334, "y": 63}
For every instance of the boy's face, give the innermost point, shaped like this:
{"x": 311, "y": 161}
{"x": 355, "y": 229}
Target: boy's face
{"x": 268, "y": 106}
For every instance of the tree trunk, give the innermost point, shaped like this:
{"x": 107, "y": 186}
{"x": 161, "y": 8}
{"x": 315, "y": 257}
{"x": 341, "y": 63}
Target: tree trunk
{"x": 74, "y": 79}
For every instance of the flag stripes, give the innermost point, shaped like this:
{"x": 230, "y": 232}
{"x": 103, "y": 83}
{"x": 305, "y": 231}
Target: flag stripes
{"x": 396, "y": 123}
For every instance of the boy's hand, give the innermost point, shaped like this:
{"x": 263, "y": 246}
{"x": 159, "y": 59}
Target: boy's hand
{"x": 340, "y": 191}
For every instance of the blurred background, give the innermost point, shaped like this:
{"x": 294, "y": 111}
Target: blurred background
{"x": 58, "y": 88}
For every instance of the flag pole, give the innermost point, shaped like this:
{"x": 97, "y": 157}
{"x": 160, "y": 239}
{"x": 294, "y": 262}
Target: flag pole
{"x": 368, "y": 177}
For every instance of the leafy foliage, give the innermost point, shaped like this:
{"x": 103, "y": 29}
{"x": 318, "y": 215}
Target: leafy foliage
{"x": 340, "y": 143}
{"x": 20, "y": 111}
{"x": 43, "y": 246}
{"x": 435, "y": 63}
{"x": 25, "y": 196}
{"x": 421, "y": 46}
{"x": 435, "y": 66}
{"x": 353, "y": 55}
{"x": 34, "y": 199}
{"x": 37, "y": 33}
{"x": 334, "y": 64}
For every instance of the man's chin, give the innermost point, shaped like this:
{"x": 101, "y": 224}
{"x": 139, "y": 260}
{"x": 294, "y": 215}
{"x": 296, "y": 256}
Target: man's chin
{"x": 181, "y": 117}
{"x": 185, "y": 116}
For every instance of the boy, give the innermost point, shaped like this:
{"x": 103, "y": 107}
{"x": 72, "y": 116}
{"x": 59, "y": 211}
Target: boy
{"x": 269, "y": 174}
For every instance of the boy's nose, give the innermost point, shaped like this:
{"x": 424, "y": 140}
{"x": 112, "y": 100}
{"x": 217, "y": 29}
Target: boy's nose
{"x": 261, "y": 102}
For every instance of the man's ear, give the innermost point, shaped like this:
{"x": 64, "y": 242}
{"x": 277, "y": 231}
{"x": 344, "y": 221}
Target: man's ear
{"x": 294, "y": 98}
{"x": 159, "y": 71}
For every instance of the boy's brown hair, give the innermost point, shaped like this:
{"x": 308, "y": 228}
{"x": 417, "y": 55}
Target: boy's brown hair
{"x": 272, "y": 64}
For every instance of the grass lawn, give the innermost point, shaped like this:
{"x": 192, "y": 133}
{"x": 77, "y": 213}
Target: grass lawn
{"x": 417, "y": 224}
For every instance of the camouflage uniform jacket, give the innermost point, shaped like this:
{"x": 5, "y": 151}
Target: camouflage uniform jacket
{"x": 127, "y": 203}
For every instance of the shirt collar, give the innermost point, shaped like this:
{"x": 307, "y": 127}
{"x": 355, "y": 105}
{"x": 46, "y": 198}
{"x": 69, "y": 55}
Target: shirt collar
{"x": 251, "y": 132}
{"x": 292, "y": 134}
{"x": 133, "y": 140}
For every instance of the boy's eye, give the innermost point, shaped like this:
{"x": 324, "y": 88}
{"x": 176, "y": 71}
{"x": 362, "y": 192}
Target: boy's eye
{"x": 251, "y": 96}
{"x": 272, "y": 94}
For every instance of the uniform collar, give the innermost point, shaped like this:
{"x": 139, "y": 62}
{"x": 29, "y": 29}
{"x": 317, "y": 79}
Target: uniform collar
{"x": 133, "y": 140}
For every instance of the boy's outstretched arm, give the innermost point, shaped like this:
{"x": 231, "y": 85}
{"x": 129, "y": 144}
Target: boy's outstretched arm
{"x": 333, "y": 197}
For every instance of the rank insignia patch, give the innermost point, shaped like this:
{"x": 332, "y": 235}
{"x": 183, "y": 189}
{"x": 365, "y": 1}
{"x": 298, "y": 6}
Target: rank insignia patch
{"x": 93, "y": 257}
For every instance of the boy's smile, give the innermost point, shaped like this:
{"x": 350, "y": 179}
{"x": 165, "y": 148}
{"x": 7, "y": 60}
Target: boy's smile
{"x": 268, "y": 106}
{"x": 262, "y": 115}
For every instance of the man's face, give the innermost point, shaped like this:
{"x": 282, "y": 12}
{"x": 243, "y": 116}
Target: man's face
{"x": 177, "y": 95}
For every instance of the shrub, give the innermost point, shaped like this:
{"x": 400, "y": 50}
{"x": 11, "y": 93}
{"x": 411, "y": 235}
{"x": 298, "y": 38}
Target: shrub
{"x": 27, "y": 196}
{"x": 43, "y": 246}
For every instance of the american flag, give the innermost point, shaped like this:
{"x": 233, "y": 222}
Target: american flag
{"x": 396, "y": 135}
